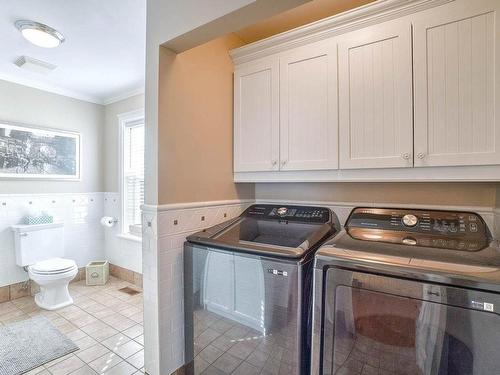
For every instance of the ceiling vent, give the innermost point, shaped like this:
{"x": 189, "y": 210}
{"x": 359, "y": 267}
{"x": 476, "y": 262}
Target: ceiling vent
{"x": 34, "y": 65}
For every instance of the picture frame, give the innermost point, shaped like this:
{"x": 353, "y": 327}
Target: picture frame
{"x": 32, "y": 152}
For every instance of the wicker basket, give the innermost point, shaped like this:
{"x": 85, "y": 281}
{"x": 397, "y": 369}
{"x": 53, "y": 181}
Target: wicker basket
{"x": 97, "y": 272}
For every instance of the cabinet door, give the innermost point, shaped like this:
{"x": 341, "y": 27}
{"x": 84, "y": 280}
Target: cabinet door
{"x": 457, "y": 85}
{"x": 256, "y": 116}
{"x": 308, "y": 108}
{"x": 375, "y": 97}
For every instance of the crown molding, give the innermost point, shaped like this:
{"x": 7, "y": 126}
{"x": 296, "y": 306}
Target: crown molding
{"x": 370, "y": 14}
{"x": 123, "y": 96}
{"x": 53, "y": 89}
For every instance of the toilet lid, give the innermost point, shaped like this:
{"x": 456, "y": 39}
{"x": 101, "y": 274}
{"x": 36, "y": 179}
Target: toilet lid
{"x": 54, "y": 265}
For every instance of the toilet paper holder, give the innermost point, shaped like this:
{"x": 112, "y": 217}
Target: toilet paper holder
{"x": 109, "y": 221}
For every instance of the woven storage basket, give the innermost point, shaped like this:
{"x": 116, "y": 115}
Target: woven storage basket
{"x": 97, "y": 272}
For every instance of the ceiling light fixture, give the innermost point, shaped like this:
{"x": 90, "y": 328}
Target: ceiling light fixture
{"x": 39, "y": 34}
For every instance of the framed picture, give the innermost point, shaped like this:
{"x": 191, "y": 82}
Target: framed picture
{"x": 36, "y": 153}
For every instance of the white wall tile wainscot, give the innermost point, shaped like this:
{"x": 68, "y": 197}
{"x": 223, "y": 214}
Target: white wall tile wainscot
{"x": 165, "y": 230}
{"x": 120, "y": 251}
{"x": 83, "y": 234}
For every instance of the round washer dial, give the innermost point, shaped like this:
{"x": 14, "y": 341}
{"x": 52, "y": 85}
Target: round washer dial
{"x": 282, "y": 211}
{"x": 410, "y": 220}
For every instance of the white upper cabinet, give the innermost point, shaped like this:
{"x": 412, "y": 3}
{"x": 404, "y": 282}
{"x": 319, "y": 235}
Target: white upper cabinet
{"x": 399, "y": 90}
{"x": 375, "y": 97}
{"x": 256, "y": 116}
{"x": 308, "y": 108}
{"x": 457, "y": 85}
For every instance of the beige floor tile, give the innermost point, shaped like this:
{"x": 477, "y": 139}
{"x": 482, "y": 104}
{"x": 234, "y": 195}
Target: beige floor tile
{"x": 93, "y": 327}
{"x": 83, "y": 320}
{"x": 6, "y": 307}
{"x": 106, "y": 362}
{"x": 119, "y": 322}
{"x": 106, "y": 311}
{"x": 137, "y": 359}
{"x": 130, "y": 311}
{"x": 103, "y": 334}
{"x": 85, "y": 370}
{"x": 139, "y": 317}
{"x": 85, "y": 342}
{"x": 123, "y": 368}
{"x": 140, "y": 339}
{"x": 38, "y": 371}
{"x": 127, "y": 349}
{"x": 12, "y": 314}
{"x": 57, "y": 360}
{"x": 76, "y": 335}
{"x": 67, "y": 327}
{"x": 66, "y": 366}
{"x": 92, "y": 353}
{"x": 94, "y": 307}
{"x": 16, "y": 319}
{"x": 115, "y": 341}
{"x": 134, "y": 331}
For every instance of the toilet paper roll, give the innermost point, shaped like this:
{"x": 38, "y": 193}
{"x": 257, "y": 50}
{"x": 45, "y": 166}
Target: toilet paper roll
{"x": 108, "y": 221}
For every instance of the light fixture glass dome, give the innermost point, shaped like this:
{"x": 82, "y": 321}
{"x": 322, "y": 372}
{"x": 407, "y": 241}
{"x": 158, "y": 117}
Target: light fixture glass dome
{"x": 39, "y": 34}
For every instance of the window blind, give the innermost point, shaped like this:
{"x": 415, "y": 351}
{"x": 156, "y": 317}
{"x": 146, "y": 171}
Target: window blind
{"x": 133, "y": 176}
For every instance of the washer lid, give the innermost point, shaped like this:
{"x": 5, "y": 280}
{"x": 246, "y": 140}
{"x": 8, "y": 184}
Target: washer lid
{"x": 54, "y": 265}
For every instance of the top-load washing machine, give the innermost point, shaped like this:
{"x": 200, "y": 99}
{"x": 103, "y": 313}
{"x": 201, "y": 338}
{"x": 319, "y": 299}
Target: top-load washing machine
{"x": 408, "y": 292}
{"x": 248, "y": 288}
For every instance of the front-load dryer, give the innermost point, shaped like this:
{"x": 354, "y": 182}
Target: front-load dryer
{"x": 407, "y": 292}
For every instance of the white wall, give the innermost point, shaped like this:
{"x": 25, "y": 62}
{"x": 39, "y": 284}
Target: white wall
{"x": 24, "y": 104}
{"x": 111, "y": 134}
{"x": 120, "y": 251}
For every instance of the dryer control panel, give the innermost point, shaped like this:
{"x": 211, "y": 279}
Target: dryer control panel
{"x": 443, "y": 229}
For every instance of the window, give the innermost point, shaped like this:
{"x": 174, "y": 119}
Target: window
{"x": 132, "y": 172}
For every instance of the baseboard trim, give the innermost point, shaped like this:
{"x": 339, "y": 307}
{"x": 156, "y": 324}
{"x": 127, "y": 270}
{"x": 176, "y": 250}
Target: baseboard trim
{"x": 125, "y": 275}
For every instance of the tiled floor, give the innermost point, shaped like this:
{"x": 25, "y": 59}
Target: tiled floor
{"x": 104, "y": 322}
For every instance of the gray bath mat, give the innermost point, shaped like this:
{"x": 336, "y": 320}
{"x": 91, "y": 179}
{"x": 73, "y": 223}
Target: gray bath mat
{"x": 31, "y": 343}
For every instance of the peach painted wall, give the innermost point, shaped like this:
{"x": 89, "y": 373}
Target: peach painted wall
{"x": 195, "y": 125}
{"x": 421, "y": 193}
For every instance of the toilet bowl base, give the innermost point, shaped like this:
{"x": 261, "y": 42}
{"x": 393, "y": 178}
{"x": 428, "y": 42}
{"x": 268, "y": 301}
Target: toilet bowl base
{"x": 40, "y": 303}
{"x": 53, "y": 298}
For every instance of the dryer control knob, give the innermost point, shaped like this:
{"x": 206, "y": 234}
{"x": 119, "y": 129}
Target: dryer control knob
{"x": 282, "y": 211}
{"x": 410, "y": 220}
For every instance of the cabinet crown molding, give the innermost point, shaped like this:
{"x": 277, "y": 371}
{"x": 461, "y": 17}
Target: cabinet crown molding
{"x": 372, "y": 13}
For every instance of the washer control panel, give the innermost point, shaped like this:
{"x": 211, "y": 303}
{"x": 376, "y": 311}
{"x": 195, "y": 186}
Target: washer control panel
{"x": 442, "y": 229}
{"x": 289, "y": 213}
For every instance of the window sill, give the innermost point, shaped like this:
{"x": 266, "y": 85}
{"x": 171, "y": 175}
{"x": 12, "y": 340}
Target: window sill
{"x": 130, "y": 237}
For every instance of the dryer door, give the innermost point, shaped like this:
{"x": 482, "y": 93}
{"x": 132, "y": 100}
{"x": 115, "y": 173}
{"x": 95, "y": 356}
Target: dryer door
{"x": 377, "y": 324}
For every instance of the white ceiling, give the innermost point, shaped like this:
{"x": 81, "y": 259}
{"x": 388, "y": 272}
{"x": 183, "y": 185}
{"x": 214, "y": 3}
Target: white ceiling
{"x": 102, "y": 59}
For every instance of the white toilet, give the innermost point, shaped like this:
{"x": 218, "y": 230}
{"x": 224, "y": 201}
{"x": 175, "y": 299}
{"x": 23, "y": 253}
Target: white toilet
{"x": 39, "y": 249}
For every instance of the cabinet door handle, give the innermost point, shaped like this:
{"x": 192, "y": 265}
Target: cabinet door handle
{"x": 420, "y": 155}
{"x": 406, "y": 155}
{"x": 283, "y": 162}
{"x": 275, "y": 162}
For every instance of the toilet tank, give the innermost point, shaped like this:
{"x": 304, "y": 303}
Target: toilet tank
{"x": 35, "y": 243}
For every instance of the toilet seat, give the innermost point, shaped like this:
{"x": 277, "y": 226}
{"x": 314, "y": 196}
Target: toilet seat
{"x": 54, "y": 266}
